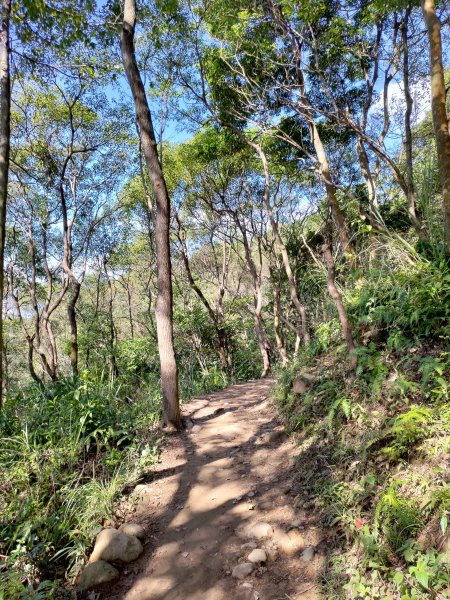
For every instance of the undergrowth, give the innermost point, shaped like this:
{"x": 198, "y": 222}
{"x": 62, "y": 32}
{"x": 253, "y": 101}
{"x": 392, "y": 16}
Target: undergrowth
{"x": 374, "y": 445}
{"x": 69, "y": 451}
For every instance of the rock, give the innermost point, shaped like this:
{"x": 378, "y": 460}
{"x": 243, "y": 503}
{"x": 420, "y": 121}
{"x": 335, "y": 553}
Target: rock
{"x": 271, "y": 551}
{"x": 133, "y": 529}
{"x": 96, "y": 573}
{"x": 196, "y": 429}
{"x": 141, "y": 489}
{"x": 261, "y": 530}
{"x": 302, "y": 382}
{"x": 257, "y": 556}
{"x": 242, "y": 570}
{"x": 112, "y": 545}
{"x": 251, "y": 494}
{"x": 275, "y": 435}
{"x": 307, "y": 554}
{"x": 299, "y": 386}
{"x": 249, "y": 545}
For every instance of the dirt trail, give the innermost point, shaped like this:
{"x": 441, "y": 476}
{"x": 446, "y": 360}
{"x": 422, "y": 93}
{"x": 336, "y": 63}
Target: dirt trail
{"x": 215, "y": 481}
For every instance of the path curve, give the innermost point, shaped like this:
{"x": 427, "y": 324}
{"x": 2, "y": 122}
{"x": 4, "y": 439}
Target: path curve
{"x": 214, "y": 482}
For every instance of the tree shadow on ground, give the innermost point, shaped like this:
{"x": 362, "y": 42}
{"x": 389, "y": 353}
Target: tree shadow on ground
{"x": 196, "y": 538}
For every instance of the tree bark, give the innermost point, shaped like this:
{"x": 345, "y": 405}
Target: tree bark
{"x": 337, "y": 299}
{"x": 5, "y": 134}
{"x": 221, "y": 332}
{"x": 76, "y": 287}
{"x": 276, "y": 292}
{"x": 257, "y": 302}
{"x": 164, "y": 300}
{"x": 300, "y": 308}
{"x": 411, "y": 192}
{"x": 438, "y": 107}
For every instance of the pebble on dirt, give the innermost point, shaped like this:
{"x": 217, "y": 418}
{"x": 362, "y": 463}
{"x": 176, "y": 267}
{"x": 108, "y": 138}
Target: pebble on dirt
{"x": 257, "y": 556}
{"x": 308, "y": 554}
{"x": 261, "y": 530}
{"x": 242, "y": 570}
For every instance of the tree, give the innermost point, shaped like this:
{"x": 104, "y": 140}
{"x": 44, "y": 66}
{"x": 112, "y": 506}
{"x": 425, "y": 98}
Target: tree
{"x": 5, "y": 126}
{"x": 164, "y": 300}
{"x": 438, "y": 105}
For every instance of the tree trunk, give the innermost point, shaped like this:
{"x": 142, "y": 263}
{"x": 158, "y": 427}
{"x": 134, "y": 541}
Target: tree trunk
{"x": 282, "y": 248}
{"x": 327, "y": 180}
{"x": 257, "y": 302}
{"x": 112, "y": 330}
{"x": 215, "y": 317}
{"x": 76, "y": 287}
{"x": 337, "y": 299}
{"x": 411, "y": 192}
{"x": 5, "y": 132}
{"x": 164, "y": 300}
{"x": 438, "y": 108}
{"x": 276, "y": 291}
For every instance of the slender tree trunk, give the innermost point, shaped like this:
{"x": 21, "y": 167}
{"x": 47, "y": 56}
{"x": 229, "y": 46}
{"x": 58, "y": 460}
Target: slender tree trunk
{"x": 130, "y": 313}
{"x": 5, "y": 133}
{"x": 438, "y": 107}
{"x": 337, "y": 299}
{"x": 411, "y": 192}
{"x": 327, "y": 180}
{"x": 257, "y": 302}
{"x": 217, "y": 322}
{"x": 112, "y": 330}
{"x": 282, "y": 248}
{"x": 76, "y": 287}
{"x": 164, "y": 300}
{"x": 276, "y": 291}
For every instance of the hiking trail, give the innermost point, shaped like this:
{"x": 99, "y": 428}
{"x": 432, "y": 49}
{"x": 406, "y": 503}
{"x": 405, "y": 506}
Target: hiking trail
{"x": 222, "y": 489}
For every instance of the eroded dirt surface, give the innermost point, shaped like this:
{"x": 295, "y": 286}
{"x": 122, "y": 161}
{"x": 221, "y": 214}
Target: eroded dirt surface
{"x": 214, "y": 482}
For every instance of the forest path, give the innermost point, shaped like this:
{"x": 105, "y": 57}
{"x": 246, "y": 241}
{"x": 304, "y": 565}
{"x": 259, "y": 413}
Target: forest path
{"x": 213, "y": 484}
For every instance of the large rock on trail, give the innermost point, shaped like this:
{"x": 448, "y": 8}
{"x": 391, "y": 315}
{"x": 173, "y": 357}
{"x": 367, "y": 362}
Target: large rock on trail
{"x": 115, "y": 546}
{"x": 97, "y": 573}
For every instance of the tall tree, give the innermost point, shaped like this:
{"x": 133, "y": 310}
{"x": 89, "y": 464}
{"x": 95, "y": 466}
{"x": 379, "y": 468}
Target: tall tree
{"x": 438, "y": 107}
{"x": 164, "y": 300}
{"x": 5, "y": 128}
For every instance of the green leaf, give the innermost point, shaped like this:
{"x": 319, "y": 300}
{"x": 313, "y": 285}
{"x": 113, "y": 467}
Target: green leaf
{"x": 398, "y": 578}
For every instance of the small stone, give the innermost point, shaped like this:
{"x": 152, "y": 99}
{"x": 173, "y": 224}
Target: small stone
{"x": 96, "y": 573}
{"x": 299, "y": 385}
{"x": 242, "y": 570}
{"x": 257, "y": 556}
{"x": 133, "y": 529}
{"x": 275, "y": 435}
{"x": 112, "y": 545}
{"x": 271, "y": 551}
{"x": 185, "y": 554}
{"x": 249, "y": 545}
{"x": 307, "y": 554}
{"x": 261, "y": 530}
{"x": 251, "y": 494}
{"x": 196, "y": 428}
